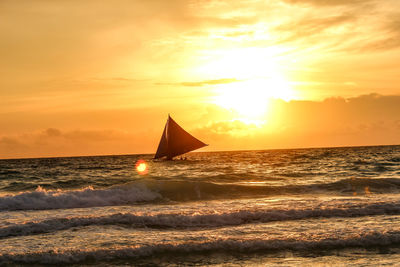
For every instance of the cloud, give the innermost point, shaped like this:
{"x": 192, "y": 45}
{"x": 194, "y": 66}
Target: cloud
{"x": 203, "y": 83}
{"x": 307, "y": 27}
{"x": 364, "y": 120}
{"x": 330, "y": 2}
{"x": 11, "y": 146}
{"x": 53, "y": 142}
{"x": 120, "y": 79}
{"x": 210, "y": 82}
{"x": 9, "y": 142}
{"x": 339, "y": 119}
{"x": 308, "y": 30}
{"x": 389, "y": 37}
{"x": 348, "y": 27}
{"x": 52, "y": 132}
{"x": 223, "y": 128}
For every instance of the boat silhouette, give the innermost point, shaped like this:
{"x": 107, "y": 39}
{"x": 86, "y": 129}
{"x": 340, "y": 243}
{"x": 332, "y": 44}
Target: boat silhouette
{"x": 176, "y": 141}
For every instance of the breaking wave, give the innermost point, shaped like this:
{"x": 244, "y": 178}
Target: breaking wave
{"x": 365, "y": 240}
{"x": 184, "y": 221}
{"x": 43, "y": 199}
{"x": 155, "y": 190}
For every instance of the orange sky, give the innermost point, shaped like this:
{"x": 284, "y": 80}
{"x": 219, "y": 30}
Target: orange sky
{"x": 100, "y": 77}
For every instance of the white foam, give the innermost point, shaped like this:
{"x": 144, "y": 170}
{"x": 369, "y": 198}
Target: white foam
{"x": 42, "y": 199}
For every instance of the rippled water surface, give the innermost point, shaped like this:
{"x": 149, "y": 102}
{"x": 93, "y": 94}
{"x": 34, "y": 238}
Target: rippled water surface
{"x": 328, "y": 206}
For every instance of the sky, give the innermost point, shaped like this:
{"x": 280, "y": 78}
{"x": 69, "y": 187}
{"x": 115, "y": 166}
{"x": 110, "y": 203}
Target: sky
{"x": 100, "y": 77}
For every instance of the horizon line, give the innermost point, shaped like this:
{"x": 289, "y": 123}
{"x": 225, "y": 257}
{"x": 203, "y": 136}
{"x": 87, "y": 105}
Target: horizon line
{"x": 213, "y": 151}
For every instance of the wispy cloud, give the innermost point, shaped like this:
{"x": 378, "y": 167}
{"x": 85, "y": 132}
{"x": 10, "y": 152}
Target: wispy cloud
{"x": 202, "y": 83}
{"x": 307, "y": 29}
{"x": 330, "y": 2}
{"x": 389, "y": 37}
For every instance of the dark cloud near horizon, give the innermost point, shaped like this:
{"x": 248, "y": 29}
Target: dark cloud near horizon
{"x": 52, "y": 132}
{"x": 54, "y": 142}
{"x": 364, "y": 120}
{"x": 9, "y": 141}
{"x": 341, "y": 113}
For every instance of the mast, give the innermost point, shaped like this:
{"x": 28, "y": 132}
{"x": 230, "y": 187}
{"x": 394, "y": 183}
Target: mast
{"x": 163, "y": 145}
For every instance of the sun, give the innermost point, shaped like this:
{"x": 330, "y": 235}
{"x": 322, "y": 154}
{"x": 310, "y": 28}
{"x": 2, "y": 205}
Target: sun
{"x": 260, "y": 76}
{"x": 249, "y": 98}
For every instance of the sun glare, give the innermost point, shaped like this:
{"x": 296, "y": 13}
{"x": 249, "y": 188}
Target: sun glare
{"x": 250, "y": 98}
{"x": 241, "y": 63}
{"x": 141, "y": 167}
{"x": 259, "y": 74}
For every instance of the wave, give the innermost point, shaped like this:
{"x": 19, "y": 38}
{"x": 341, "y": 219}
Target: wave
{"x": 366, "y": 240}
{"x": 395, "y": 159}
{"x": 190, "y": 190}
{"x": 43, "y": 199}
{"x": 6, "y": 173}
{"x": 168, "y": 190}
{"x": 185, "y": 221}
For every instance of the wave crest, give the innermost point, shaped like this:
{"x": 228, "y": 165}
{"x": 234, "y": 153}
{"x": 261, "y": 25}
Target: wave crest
{"x": 42, "y": 199}
{"x": 366, "y": 240}
{"x": 185, "y": 221}
{"x": 169, "y": 190}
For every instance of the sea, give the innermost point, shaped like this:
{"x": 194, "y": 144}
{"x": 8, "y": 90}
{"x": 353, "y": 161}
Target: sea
{"x": 292, "y": 207}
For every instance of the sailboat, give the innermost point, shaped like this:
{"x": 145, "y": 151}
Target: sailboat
{"x": 176, "y": 141}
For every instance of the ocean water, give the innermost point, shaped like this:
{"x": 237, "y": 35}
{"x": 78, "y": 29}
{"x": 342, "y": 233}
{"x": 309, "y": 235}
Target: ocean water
{"x": 319, "y": 207}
